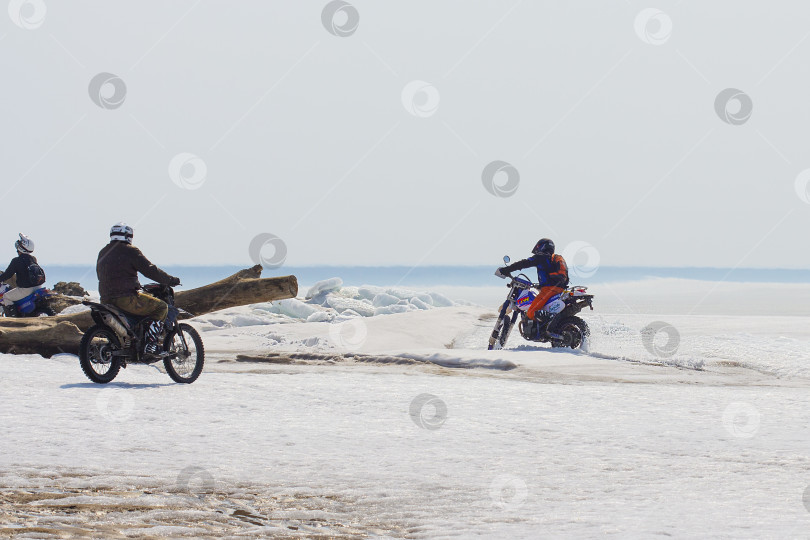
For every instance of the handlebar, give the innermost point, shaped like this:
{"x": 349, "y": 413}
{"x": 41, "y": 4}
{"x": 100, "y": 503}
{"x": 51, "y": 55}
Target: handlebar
{"x": 526, "y": 279}
{"x": 159, "y": 286}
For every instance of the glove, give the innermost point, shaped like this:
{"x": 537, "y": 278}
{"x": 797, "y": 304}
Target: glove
{"x": 174, "y": 282}
{"x": 502, "y": 273}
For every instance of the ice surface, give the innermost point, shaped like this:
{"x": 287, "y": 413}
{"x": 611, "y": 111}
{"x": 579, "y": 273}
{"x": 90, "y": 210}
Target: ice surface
{"x": 337, "y": 423}
{"x": 406, "y": 452}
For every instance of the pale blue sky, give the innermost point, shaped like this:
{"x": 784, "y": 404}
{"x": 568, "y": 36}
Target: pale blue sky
{"x": 305, "y": 135}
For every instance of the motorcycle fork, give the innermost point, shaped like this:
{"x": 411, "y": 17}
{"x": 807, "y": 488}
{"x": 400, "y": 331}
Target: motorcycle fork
{"x": 175, "y": 327}
{"x": 512, "y": 323}
{"x": 183, "y": 340}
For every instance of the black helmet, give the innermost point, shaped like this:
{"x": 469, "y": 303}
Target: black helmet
{"x": 544, "y": 245}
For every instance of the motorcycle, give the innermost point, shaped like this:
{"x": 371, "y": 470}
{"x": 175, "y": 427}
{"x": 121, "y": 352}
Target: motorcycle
{"x": 118, "y": 339}
{"x": 561, "y": 327}
{"x": 33, "y": 305}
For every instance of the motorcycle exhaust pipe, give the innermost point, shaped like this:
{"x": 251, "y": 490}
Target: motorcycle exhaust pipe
{"x": 117, "y": 327}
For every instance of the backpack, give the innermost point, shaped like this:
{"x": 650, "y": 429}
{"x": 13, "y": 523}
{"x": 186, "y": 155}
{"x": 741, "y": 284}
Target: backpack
{"x": 36, "y": 275}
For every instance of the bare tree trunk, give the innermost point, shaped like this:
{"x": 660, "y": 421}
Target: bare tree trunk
{"x": 43, "y": 335}
{"x": 51, "y": 335}
{"x": 243, "y": 288}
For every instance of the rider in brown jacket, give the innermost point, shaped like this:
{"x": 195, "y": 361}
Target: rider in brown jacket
{"x": 118, "y": 266}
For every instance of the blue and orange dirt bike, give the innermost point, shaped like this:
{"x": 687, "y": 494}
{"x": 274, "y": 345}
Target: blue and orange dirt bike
{"x": 33, "y": 305}
{"x": 561, "y": 327}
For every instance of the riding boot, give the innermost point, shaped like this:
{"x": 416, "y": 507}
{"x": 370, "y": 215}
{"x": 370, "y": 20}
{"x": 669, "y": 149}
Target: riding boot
{"x": 529, "y": 328}
{"x": 541, "y": 319}
{"x": 152, "y": 336}
{"x": 551, "y": 321}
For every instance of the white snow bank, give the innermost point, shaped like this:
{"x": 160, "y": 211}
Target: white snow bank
{"x": 396, "y": 308}
{"x": 384, "y": 300}
{"x": 325, "y": 286}
{"x": 419, "y": 303}
{"x": 327, "y": 301}
{"x": 340, "y": 304}
{"x": 320, "y": 316}
{"x": 440, "y": 300}
{"x": 78, "y": 308}
{"x": 292, "y": 307}
{"x": 330, "y": 301}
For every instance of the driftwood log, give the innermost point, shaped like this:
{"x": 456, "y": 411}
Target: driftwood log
{"x": 61, "y": 334}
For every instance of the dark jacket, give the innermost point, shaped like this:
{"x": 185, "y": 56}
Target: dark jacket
{"x": 551, "y": 271}
{"x": 117, "y": 269}
{"x": 19, "y": 267}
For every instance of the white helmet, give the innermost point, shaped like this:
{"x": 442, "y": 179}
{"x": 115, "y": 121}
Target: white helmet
{"x": 24, "y": 244}
{"x": 121, "y": 232}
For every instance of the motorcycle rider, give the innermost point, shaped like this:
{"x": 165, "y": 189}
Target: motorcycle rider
{"x": 119, "y": 263}
{"x": 552, "y": 276}
{"x": 19, "y": 267}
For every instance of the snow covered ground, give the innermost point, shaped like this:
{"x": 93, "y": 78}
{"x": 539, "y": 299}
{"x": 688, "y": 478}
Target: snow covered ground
{"x": 378, "y": 412}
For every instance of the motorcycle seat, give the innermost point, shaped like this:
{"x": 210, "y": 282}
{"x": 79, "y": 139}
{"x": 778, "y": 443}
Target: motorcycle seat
{"x": 131, "y": 319}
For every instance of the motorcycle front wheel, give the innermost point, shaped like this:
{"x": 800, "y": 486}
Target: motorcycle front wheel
{"x": 96, "y": 354}
{"x": 189, "y": 358}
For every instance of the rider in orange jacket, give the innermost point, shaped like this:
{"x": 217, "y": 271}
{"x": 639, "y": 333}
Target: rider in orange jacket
{"x": 552, "y": 274}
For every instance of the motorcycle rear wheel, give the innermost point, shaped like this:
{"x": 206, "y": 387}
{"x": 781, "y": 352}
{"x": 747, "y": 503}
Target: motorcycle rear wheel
{"x": 95, "y": 354}
{"x": 574, "y": 331}
{"x": 44, "y": 309}
{"x": 189, "y": 362}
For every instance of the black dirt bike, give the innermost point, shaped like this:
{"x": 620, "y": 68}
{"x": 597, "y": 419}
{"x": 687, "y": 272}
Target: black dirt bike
{"x": 562, "y": 327}
{"x": 117, "y": 339}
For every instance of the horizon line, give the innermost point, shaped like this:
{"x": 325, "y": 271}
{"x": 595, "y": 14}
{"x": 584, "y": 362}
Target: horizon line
{"x": 651, "y": 267}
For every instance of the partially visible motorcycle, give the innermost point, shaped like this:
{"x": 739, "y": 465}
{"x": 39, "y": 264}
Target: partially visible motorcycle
{"x": 33, "y": 305}
{"x": 562, "y": 328}
{"x": 118, "y": 339}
